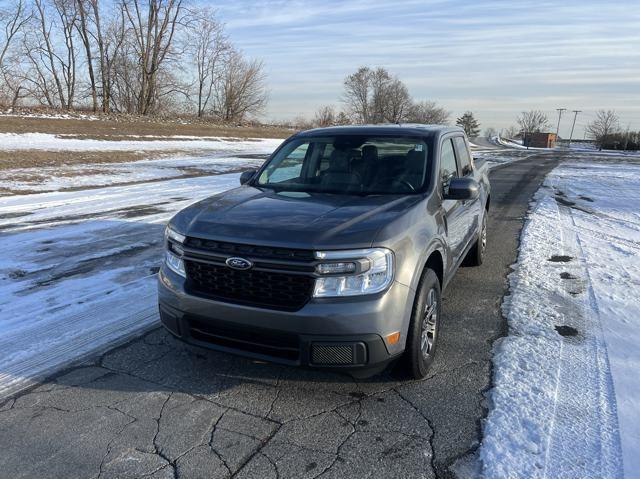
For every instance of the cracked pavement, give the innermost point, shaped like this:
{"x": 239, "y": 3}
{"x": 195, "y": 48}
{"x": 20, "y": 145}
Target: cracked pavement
{"x": 159, "y": 408}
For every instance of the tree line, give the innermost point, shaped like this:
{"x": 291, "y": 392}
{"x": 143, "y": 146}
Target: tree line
{"x": 374, "y": 96}
{"x": 125, "y": 56}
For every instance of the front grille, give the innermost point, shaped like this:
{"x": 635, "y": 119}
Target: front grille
{"x": 254, "y": 340}
{"x": 252, "y": 287}
{"x": 237, "y": 249}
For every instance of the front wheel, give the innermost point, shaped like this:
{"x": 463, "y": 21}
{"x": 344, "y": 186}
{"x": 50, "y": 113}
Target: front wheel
{"x": 424, "y": 326}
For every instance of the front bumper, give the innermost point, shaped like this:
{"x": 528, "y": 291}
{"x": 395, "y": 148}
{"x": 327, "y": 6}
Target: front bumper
{"x": 337, "y": 333}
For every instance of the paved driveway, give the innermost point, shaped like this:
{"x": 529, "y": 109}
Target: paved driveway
{"x": 158, "y": 408}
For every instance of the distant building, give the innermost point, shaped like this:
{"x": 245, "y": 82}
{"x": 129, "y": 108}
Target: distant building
{"x": 540, "y": 140}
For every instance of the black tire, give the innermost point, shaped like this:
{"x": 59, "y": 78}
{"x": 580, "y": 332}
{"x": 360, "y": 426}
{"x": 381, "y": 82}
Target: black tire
{"x": 475, "y": 256}
{"x": 424, "y": 327}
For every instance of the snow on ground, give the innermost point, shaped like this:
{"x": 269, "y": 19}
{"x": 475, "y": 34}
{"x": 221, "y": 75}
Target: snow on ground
{"x": 49, "y": 142}
{"x": 49, "y": 116}
{"x": 202, "y": 156}
{"x": 102, "y": 174}
{"x": 78, "y": 269}
{"x": 566, "y": 401}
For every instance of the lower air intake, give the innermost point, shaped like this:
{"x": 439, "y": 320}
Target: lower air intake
{"x": 338, "y": 354}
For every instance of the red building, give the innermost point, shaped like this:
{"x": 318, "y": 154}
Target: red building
{"x": 540, "y": 140}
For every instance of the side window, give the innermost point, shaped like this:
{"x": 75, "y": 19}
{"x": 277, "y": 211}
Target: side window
{"x": 448, "y": 167}
{"x": 463, "y": 155}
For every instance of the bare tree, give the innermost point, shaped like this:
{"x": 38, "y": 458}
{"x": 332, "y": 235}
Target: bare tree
{"x": 379, "y": 80}
{"x": 375, "y": 96}
{"x": 242, "y": 91}
{"x": 533, "y": 121}
{"x": 52, "y": 52}
{"x": 605, "y": 124}
{"x": 357, "y": 88}
{"x": 427, "y": 112}
{"x": 398, "y": 101}
{"x": 511, "y": 132}
{"x": 490, "y": 132}
{"x": 154, "y": 29}
{"x": 125, "y": 56}
{"x": 325, "y": 116}
{"x": 211, "y": 50}
{"x": 84, "y": 8}
{"x": 342, "y": 119}
{"x": 12, "y": 22}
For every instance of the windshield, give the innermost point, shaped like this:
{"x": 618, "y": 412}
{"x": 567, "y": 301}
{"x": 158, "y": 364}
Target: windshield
{"x": 349, "y": 165}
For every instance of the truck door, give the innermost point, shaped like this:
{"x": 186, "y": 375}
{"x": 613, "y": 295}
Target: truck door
{"x": 473, "y": 208}
{"x": 453, "y": 210}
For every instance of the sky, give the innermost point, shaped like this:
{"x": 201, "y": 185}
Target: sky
{"x": 494, "y": 58}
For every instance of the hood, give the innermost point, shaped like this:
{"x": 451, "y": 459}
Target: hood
{"x": 292, "y": 219}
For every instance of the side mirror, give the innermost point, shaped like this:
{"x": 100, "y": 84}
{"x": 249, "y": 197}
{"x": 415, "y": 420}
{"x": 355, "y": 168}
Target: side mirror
{"x": 246, "y": 176}
{"x": 463, "y": 189}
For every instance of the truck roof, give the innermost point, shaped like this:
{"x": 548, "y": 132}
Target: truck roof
{"x": 408, "y": 129}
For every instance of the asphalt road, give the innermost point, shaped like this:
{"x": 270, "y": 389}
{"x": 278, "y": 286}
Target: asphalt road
{"x": 158, "y": 408}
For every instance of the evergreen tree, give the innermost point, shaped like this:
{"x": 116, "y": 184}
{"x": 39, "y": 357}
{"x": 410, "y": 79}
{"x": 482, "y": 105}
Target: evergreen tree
{"x": 469, "y": 124}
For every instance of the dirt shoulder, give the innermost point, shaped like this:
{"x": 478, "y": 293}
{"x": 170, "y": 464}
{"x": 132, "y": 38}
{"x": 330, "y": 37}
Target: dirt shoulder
{"x": 10, "y": 160}
{"x": 118, "y": 128}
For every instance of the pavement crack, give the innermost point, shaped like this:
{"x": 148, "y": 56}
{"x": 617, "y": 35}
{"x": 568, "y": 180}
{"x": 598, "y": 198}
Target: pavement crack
{"x": 214, "y": 428}
{"x": 157, "y": 450}
{"x": 113, "y": 439}
{"x": 273, "y": 463}
{"x": 341, "y": 445}
{"x": 258, "y": 450}
{"x": 432, "y": 430}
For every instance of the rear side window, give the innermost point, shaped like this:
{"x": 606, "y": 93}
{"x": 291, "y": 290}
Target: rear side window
{"x": 464, "y": 158}
{"x": 448, "y": 167}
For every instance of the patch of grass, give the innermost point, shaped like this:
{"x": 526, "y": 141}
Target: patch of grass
{"x": 118, "y": 127}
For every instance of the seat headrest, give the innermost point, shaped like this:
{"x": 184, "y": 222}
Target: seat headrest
{"x": 339, "y": 161}
{"x": 370, "y": 153}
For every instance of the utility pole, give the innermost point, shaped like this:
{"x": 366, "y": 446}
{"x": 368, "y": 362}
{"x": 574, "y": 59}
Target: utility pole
{"x": 574, "y": 125}
{"x": 560, "y": 111}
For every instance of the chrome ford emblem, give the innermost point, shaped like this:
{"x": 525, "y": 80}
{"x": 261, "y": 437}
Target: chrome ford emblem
{"x": 238, "y": 263}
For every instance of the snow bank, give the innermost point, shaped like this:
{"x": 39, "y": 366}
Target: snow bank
{"x": 566, "y": 401}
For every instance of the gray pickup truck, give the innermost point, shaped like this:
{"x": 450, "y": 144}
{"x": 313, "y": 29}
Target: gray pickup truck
{"x": 334, "y": 253}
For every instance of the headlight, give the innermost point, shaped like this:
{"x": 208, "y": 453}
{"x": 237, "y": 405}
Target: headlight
{"x": 170, "y": 233}
{"x": 174, "y": 252}
{"x": 353, "y": 272}
{"x": 175, "y": 264}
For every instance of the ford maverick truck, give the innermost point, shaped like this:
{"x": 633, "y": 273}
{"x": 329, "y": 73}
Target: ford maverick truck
{"x": 334, "y": 254}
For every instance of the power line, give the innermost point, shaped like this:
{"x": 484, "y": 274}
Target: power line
{"x": 559, "y": 110}
{"x": 574, "y": 124}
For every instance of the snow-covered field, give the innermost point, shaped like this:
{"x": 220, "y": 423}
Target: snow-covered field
{"x": 78, "y": 269}
{"x": 49, "y": 142}
{"x": 566, "y": 401}
{"x": 103, "y": 174}
{"x": 190, "y": 156}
